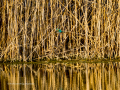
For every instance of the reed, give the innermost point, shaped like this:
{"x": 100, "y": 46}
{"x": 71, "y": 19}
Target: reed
{"x": 90, "y": 29}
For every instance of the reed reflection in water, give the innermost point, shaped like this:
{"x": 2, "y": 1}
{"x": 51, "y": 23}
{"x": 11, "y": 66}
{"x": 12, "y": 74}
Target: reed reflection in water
{"x": 60, "y": 76}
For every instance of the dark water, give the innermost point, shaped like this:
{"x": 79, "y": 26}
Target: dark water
{"x": 60, "y": 76}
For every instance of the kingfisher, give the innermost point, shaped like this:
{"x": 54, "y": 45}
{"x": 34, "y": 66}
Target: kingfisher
{"x": 59, "y": 30}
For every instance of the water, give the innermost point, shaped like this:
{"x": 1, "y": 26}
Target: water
{"x": 60, "y": 76}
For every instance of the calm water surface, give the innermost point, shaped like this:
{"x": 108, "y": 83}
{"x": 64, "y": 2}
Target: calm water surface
{"x": 60, "y": 76}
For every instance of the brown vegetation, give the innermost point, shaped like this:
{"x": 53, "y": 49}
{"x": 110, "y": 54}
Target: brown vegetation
{"x": 91, "y": 29}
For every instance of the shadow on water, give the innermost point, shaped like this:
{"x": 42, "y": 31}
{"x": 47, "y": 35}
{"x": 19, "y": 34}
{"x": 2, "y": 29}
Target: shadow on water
{"x": 60, "y": 76}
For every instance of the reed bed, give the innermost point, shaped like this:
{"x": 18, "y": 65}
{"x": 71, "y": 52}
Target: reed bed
{"x": 76, "y": 76}
{"x": 91, "y": 28}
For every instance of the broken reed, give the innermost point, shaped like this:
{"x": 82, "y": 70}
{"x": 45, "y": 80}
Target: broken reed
{"x": 28, "y": 29}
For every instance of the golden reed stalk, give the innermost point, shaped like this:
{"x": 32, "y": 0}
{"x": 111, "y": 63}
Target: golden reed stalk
{"x": 90, "y": 29}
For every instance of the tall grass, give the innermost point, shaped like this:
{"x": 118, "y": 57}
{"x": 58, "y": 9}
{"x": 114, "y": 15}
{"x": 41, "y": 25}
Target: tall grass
{"x": 28, "y": 29}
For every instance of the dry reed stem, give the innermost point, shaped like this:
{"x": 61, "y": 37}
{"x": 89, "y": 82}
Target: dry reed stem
{"x": 28, "y": 29}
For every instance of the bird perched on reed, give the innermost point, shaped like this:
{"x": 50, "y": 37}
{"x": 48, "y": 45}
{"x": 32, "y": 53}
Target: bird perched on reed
{"x": 59, "y": 30}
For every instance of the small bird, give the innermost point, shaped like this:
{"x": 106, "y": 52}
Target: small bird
{"x": 59, "y": 30}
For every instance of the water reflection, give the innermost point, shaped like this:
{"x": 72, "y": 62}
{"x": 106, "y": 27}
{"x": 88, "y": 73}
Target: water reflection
{"x": 60, "y": 76}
